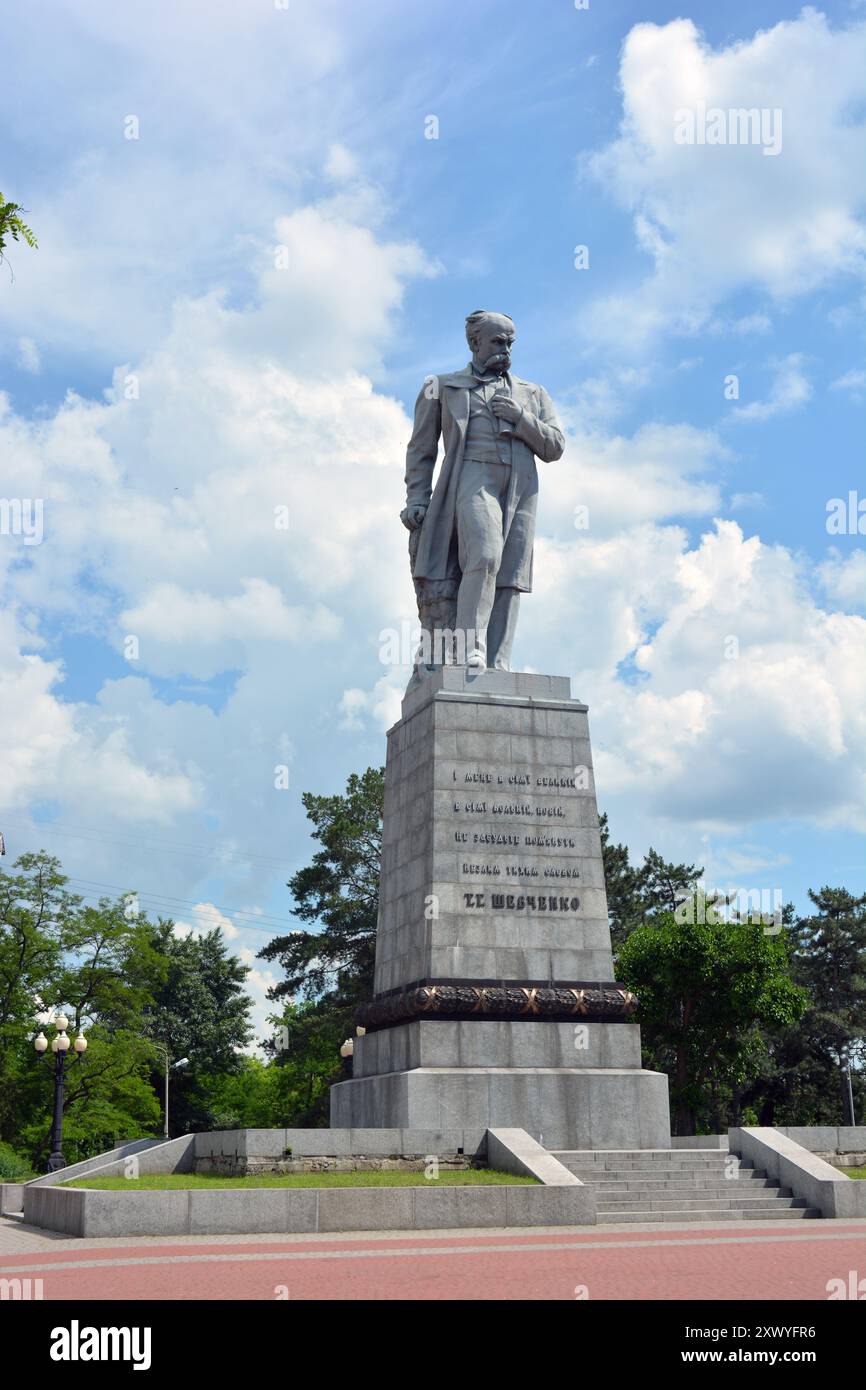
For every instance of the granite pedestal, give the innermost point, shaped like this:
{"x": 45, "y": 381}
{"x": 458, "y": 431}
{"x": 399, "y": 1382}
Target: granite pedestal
{"x": 494, "y": 1001}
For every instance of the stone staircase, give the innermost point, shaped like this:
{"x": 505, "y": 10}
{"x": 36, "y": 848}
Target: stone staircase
{"x": 680, "y": 1185}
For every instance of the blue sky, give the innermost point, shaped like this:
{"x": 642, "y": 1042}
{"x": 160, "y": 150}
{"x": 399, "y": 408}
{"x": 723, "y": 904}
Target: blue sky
{"x": 167, "y": 386}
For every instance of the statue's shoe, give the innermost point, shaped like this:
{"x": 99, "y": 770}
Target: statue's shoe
{"x": 476, "y": 661}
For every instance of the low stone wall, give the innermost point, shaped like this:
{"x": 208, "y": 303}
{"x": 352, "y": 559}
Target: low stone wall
{"x": 842, "y": 1146}
{"x": 247, "y": 1152}
{"x": 133, "y": 1148}
{"x": 11, "y": 1198}
{"x": 93, "y": 1213}
{"x": 699, "y": 1141}
{"x": 224, "y": 1166}
{"x": 802, "y": 1170}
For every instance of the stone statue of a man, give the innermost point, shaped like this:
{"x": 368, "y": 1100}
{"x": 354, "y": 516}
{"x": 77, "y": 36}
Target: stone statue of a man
{"x": 472, "y": 535}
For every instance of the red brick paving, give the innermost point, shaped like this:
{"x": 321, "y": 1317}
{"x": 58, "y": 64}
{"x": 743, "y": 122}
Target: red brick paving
{"x": 758, "y": 1262}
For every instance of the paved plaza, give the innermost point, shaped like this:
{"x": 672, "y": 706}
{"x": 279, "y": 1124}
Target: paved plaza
{"x": 774, "y": 1262}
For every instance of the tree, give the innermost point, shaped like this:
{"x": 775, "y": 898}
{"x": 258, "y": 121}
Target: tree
{"x": 127, "y": 983}
{"x": 635, "y": 896}
{"x": 34, "y": 908}
{"x": 97, "y": 965}
{"x": 707, "y": 990}
{"x": 198, "y": 1010}
{"x": 801, "y": 1081}
{"x": 329, "y": 971}
{"x": 247, "y": 1097}
{"x": 13, "y": 225}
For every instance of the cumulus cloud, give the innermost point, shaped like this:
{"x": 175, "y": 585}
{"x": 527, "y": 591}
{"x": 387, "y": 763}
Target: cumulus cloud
{"x": 843, "y": 578}
{"x": 790, "y": 389}
{"x": 719, "y": 218}
{"x": 658, "y": 472}
{"x": 754, "y": 697}
{"x": 206, "y": 917}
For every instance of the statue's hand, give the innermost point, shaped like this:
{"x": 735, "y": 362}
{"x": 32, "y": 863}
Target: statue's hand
{"x": 504, "y": 408}
{"x": 412, "y": 517}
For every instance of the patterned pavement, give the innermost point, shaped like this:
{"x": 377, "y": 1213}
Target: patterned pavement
{"x": 738, "y": 1260}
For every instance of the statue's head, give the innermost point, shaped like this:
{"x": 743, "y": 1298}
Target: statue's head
{"x": 490, "y": 337}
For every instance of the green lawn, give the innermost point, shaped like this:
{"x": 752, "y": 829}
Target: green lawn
{"x": 855, "y": 1172}
{"x": 172, "y": 1181}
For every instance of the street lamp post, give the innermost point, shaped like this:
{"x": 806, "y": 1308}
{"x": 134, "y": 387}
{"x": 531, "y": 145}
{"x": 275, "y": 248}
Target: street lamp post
{"x": 848, "y": 1116}
{"x": 60, "y": 1046}
{"x": 169, "y": 1067}
{"x": 347, "y": 1053}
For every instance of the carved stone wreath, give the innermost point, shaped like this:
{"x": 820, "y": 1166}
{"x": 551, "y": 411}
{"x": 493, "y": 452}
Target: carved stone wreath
{"x": 599, "y": 1003}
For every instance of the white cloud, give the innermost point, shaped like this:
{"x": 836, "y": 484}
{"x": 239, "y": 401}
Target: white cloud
{"x": 28, "y": 356}
{"x": 125, "y": 225}
{"x": 381, "y": 705}
{"x": 752, "y": 700}
{"x": 852, "y": 382}
{"x": 717, "y": 219}
{"x": 790, "y": 390}
{"x": 844, "y": 578}
{"x": 205, "y": 918}
{"x": 660, "y": 471}
{"x": 341, "y": 165}
{"x": 225, "y": 516}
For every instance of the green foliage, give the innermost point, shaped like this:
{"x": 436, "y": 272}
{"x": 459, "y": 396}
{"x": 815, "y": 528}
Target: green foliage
{"x": 328, "y": 971}
{"x": 636, "y": 896}
{"x": 125, "y": 982}
{"x": 250, "y": 1096}
{"x": 800, "y": 1081}
{"x": 13, "y": 225}
{"x": 14, "y": 1168}
{"x": 198, "y": 1010}
{"x": 340, "y": 891}
{"x": 306, "y": 1051}
{"x": 708, "y": 992}
{"x": 35, "y": 913}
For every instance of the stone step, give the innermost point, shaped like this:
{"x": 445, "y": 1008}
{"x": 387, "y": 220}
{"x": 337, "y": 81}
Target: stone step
{"x": 690, "y": 1189}
{"x": 639, "y": 1185}
{"x": 649, "y": 1155}
{"x": 662, "y": 1174}
{"x": 702, "y": 1201}
{"x": 758, "y": 1213}
{"x": 636, "y": 1161}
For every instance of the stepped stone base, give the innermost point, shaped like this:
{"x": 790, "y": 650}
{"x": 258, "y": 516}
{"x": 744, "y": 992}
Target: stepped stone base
{"x": 483, "y": 1043}
{"x": 586, "y": 1107}
{"x": 494, "y": 1004}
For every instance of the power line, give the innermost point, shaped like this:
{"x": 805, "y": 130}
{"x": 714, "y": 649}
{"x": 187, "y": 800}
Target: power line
{"x": 264, "y": 920}
{"x": 91, "y": 899}
{"x": 146, "y": 842}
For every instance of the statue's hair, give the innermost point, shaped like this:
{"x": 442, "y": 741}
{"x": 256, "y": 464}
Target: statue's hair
{"x": 479, "y": 316}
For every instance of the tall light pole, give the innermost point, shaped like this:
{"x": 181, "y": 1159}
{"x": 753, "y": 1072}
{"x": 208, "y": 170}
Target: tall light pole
{"x": 60, "y": 1045}
{"x": 848, "y": 1116}
{"x": 169, "y": 1067}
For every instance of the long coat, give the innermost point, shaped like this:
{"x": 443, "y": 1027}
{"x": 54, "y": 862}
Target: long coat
{"x": 442, "y": 409}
